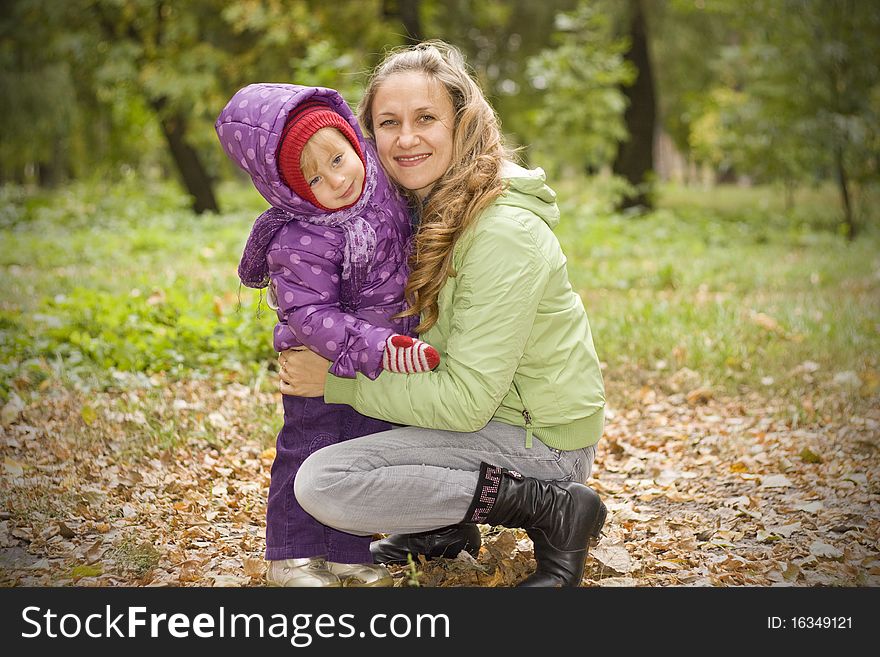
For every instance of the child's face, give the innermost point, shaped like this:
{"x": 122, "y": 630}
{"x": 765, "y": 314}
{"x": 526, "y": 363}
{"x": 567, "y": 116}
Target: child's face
{"x": 333, "y": 169}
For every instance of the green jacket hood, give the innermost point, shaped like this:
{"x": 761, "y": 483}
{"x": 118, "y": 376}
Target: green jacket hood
{"x": 527, "y": 189}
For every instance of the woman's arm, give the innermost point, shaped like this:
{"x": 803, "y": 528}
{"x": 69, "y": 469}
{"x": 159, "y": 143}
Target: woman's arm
{"x": 498, "y": 287}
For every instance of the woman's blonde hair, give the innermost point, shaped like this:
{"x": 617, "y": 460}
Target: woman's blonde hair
{"x": 472, "y": 181}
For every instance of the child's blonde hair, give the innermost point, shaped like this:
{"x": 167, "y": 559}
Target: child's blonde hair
{"x": 470, "y": 184}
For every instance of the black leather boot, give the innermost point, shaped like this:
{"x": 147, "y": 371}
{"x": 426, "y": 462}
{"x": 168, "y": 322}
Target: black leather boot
{"x": 444, "y": 542}
{"x": 561, "y": 517}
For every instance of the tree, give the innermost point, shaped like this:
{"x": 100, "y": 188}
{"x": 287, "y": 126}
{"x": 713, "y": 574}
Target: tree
{"x": 128, "y": 73}
{"x": 635, "y": 153}
{"x": 499, "y": 37}
{"x": 409, "y": 14}
{"x": 799, "y": 98}
{"x": 686, "y": 39}
{"x": 580, "y": 119}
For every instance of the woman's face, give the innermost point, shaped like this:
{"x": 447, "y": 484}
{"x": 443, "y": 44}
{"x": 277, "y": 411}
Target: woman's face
{"x": 413, "y": 121}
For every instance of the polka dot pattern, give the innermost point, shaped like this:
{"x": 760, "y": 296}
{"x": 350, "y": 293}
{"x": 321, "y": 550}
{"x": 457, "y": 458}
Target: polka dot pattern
{"x": 340, "y": 275}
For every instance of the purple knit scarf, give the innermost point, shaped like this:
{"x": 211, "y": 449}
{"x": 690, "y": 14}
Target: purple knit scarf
{"x": 360, "y": 240}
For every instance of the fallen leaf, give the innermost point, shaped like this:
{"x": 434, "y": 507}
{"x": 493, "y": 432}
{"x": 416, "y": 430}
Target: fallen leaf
{"x": 88, "y": 415}
{"x": 86, "y": 571}
{"x": 12, "y": 409}
{"x": 618, "y": 581}
{"x": 13, "y": 467}
{"x": 93, "y": 552}
{"x": 856, "y": 477}
{"x": 699, "y": 396}
{"x": 820, "y": 549}
{"x": 785, "y": 530}
{"x": 766, "y": 536}
{"x": 808, "y": 456}
{"x": 791, "y": 572}
{"x": 189, "y": 571}
{"x": 65, "y": 531}
{"x": 705, "y": 535}
{"x": 627, "y": 512}
{"x": 614, "y": 557}
{"x": 255, "y": 568}
{"x": 218, "y": 420}
{"x": 775, "y": 481}
{"x": 229, "y": 581}
{"x": 847, "y": 379}
{"x": 766, "y": 322}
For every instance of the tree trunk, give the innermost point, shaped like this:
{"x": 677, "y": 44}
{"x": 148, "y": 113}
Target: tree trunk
{"x": 843, "y": 184}
{"x": 790, "y": 186}
{"x": 51, "y": 173}
{"x": 192, "y": 172}
{"x": 635, "y": 156}
{"x": 408, "y": 13}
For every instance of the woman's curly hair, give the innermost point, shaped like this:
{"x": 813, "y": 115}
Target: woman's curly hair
{"x": 470, "y": 184}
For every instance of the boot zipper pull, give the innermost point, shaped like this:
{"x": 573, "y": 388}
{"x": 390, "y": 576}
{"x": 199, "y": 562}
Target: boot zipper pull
{"x": 528, "y": 420}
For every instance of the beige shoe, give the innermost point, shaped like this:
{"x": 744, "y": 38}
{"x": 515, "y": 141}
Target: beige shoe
{"x": 361, "y": 574}
{"x": 307, "y": 572}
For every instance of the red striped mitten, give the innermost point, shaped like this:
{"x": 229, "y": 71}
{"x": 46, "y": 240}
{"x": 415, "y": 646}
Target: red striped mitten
{"x": 406, "y": 355}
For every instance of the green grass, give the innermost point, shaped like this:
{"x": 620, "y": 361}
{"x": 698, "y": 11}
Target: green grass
{"x": 726, "y": 282}
{"x": 132, "y": 281}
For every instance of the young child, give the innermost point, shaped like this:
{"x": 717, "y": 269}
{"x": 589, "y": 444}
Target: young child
{"x": 333, "y": 251}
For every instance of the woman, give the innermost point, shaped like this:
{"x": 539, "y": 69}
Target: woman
{"x": 504, "y": 431}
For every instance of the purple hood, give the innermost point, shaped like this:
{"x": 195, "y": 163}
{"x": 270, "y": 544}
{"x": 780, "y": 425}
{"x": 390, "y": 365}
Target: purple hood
{"x": 250, "y": 128}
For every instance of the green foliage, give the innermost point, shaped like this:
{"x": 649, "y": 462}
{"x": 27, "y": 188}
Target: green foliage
{"x": 580, "y": 120}
{"x": 794, "y": 96}
{"x": 413, "y": 574}
{"x": 85, "y": 82}
{"x": 686, "y": 40}
{"x": 168, "y": 332}
{"x": 686, "y": 285}
{"x": 100, "y": 281}
{"x": 124, "y": 279}
{"x": 808, "y": 90}
{"x": 135, "y": 558}
{"x": 499, "y": 37}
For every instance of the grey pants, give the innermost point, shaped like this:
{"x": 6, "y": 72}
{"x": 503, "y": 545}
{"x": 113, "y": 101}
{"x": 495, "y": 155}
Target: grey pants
{"x": 413, "y": 479}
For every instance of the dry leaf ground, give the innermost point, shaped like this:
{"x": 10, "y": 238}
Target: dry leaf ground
{"x": 703, "y": 491}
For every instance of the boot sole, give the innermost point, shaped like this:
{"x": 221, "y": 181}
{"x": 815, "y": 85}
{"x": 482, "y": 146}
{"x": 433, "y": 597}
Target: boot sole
{"x": 397, "y": 556}
{"x": 402, "y": 561}
{"x": 334, "y": 585}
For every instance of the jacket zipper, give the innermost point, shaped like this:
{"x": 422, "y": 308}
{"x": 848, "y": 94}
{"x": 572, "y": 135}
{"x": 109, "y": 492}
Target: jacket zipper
{"x": 527, "y": 417}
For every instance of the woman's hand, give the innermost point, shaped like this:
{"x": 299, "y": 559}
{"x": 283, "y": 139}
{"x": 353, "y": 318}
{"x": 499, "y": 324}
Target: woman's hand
{"x": 302, "y": 373}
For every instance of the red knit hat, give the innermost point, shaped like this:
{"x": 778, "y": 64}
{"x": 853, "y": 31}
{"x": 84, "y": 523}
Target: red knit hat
{"x": 302, "y": 124}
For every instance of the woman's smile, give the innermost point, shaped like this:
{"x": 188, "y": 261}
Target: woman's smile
{"x": 412, "y": 160}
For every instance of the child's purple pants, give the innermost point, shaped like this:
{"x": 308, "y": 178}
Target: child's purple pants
{"x": 291, "y": 533}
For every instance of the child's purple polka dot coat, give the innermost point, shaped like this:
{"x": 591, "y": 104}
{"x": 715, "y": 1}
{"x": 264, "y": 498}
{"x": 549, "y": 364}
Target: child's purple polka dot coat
{"x": 338, "y": 276}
